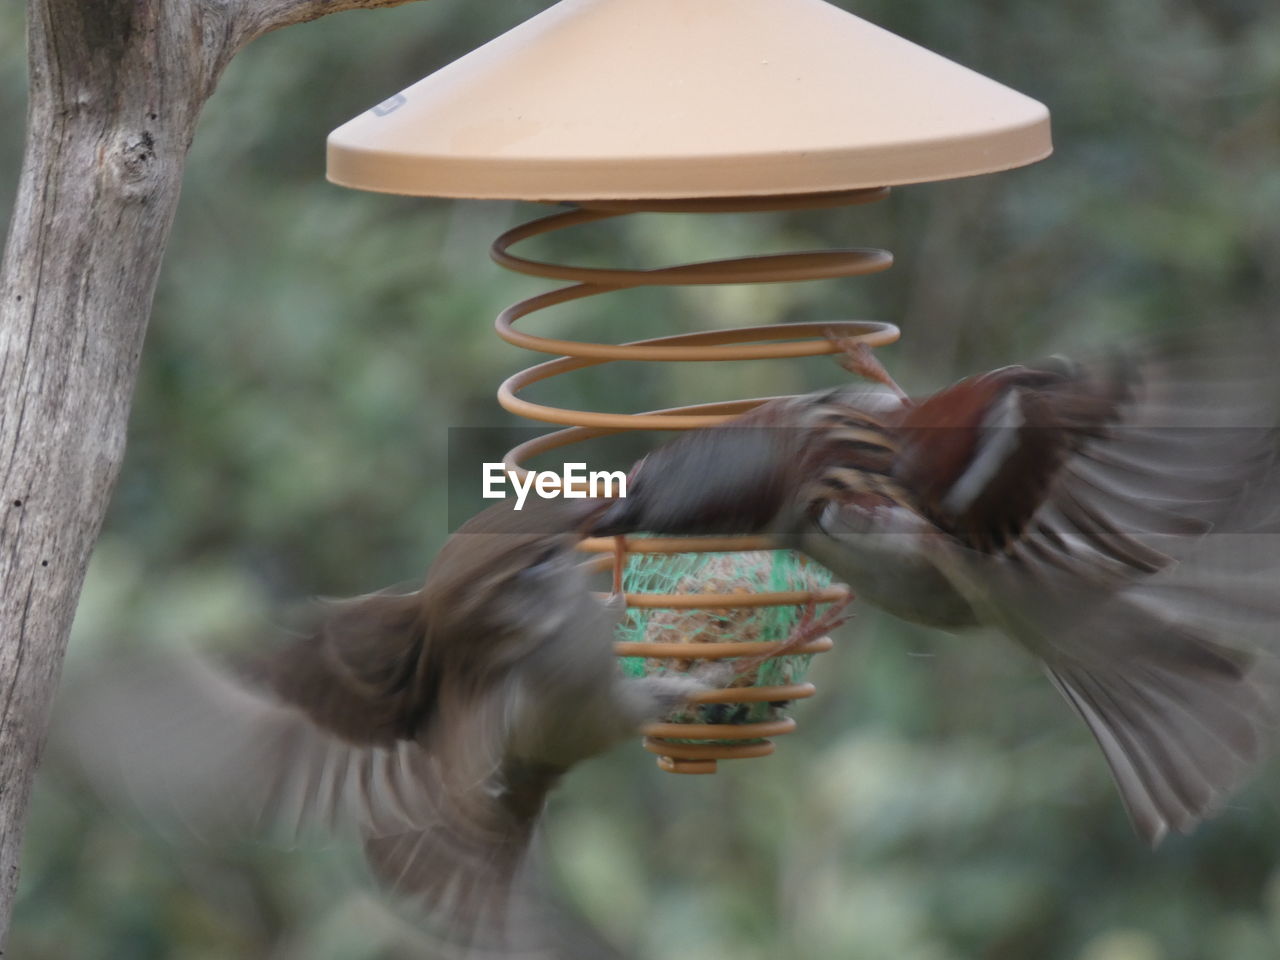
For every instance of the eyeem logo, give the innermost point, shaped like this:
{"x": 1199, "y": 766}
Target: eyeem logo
{"x": 573, "y": 482}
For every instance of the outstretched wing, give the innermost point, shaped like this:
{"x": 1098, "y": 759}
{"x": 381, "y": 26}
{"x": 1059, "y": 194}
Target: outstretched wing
{"x": 446, "y": 829}
{"x": 1120, "y": 525}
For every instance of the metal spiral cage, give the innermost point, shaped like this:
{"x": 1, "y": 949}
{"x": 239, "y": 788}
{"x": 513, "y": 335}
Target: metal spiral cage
{"x": 771, "y": 341}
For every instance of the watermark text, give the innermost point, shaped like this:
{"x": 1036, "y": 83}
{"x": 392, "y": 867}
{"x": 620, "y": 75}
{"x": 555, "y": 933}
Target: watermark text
{"x": 573, "y": 482}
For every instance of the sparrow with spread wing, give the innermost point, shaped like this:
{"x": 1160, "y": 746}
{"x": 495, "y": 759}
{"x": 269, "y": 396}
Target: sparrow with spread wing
{"x": 430, "y": 724}
{"x": 1116, "y": 518}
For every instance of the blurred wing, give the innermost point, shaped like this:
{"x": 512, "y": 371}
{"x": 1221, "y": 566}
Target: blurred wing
{"x": 1117, "y": 523}
{"x": 359, "y": 673}
{"x": 469, "y": 880}
{"x": 192, "y": 748}
{"x": 1110, "y": 472}
{"x": 978, "y": 457}
{"x": 191, "y": 745}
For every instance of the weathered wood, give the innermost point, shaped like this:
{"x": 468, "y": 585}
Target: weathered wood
{"x": 116, "y": 89}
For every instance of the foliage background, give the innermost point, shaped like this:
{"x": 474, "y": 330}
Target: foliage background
{"x": 311, "y": 345}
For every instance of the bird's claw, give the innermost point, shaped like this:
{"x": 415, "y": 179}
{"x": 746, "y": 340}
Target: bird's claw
{"x": 619, "y": 563}
{"x": 809, "y": 627}
{"x": 858, "y": 358}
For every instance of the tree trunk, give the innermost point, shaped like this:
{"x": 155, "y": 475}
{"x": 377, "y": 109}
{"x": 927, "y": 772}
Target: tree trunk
{"x": 116, "y": 90}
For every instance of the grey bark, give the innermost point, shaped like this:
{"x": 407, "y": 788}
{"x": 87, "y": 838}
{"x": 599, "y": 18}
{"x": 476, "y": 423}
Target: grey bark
{"x": 116, "y": 89}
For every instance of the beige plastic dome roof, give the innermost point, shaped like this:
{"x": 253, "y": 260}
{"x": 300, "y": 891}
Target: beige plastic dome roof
{"x": 646, "y": 99}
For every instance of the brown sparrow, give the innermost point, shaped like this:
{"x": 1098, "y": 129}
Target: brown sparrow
{"x": 1114, "y": 518}
{"x": 431, "y": 724}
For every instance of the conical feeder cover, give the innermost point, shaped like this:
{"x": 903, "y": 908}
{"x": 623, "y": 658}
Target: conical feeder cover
{"x": 650, "y": 99}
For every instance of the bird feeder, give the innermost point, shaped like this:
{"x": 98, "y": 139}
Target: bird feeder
{"x": 671, "y": 106}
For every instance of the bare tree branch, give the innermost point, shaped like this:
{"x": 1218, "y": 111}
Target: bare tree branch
{"x": 116, "y": 89}
{"x": 256, "y": 17}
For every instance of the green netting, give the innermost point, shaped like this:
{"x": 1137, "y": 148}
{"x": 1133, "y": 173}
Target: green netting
{"x": 753, "y": 571}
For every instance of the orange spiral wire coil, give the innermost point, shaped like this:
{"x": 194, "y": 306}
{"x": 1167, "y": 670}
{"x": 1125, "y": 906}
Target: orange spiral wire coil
{"x": 771, "y": 341}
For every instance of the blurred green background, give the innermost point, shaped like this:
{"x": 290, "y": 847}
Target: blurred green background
{"x": 311, "y": 345}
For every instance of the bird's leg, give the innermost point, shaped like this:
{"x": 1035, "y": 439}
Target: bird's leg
{"x": 620, "y": 541}
{"x": 810, "y": 627}
{"x": 859, "y": 360}
{"x": 619, "y": 561}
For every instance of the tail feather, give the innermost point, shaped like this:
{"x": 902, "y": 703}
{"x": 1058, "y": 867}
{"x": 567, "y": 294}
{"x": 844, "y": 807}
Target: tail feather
{"x": 1182, "y": 722}
{"x": 1145, "y": 798}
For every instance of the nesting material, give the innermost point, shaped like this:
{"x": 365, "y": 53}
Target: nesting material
{"x": 720, "y": 573}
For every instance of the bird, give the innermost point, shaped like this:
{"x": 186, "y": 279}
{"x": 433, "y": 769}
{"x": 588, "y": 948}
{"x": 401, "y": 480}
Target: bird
{"x": 1114, "y": 515}
{"x": 431, "y": 724}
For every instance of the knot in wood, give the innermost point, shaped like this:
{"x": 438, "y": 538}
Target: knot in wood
{"x": 137, "y": 158}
